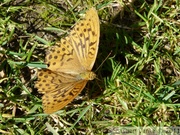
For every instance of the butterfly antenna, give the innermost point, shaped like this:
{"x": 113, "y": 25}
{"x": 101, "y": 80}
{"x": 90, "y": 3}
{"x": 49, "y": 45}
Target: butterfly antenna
{"x": 104, "y": 61}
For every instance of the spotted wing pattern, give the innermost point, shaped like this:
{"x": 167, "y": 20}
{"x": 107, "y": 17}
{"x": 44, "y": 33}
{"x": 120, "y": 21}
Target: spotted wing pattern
{"x": 69, "y": 64}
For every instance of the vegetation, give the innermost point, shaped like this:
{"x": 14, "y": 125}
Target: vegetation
{"x": 138, "y": 81}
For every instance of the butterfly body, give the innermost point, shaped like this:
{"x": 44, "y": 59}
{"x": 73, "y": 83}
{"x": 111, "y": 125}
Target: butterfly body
{"x": 69, "y": 64}
{"x": 87, "y": 75}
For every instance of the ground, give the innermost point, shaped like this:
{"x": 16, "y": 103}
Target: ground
{"x": 137, "y": 66}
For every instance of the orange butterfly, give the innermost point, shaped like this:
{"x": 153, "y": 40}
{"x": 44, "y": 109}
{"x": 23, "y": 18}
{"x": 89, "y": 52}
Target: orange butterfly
{"x": 69, "y": 64}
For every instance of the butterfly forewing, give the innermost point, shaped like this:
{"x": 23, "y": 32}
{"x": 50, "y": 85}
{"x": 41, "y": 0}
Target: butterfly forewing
{"x": 85, "y": 39}
{"x": 61, "y": 55}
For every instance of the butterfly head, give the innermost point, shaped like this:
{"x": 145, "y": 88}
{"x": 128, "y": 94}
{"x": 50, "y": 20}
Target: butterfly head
{"x": 92, "y": 75}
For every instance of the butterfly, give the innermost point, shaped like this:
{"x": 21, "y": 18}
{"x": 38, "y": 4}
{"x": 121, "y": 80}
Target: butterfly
{"x": 70, "y": 63}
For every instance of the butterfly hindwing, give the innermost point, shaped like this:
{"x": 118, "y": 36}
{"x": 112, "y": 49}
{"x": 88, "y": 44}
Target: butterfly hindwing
{"x": 57, "y": 99}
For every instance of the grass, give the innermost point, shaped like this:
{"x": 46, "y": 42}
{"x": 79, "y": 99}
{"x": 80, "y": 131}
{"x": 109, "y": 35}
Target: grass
{"x": 138, "y": 85}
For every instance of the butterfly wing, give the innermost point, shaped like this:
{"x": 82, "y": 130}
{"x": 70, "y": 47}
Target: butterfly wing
{"x": 59, "y": 89}
{"x": 58, "y": 98}
{"x": 79, "y": 48}
{"x": 49, "y": 80}
{"x": 85, "y": 39}
{"x": 62, "y": 56}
